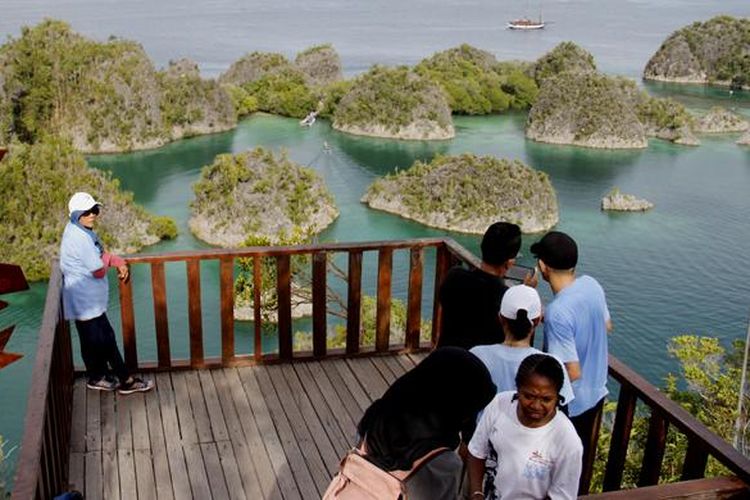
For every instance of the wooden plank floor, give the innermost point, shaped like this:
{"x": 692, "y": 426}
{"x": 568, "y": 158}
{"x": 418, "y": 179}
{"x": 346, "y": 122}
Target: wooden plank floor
{"x": 274, "y": 432}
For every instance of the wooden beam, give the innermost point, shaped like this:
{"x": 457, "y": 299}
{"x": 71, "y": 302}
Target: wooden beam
{"x": 414, "y": 301}
{"x": 195, "y": 314}
{"x": 284, "y": 295}
{"x": 319, "y": 290}
{"x": 354, "y": 302}
{"x": 161, "y": 316}
{"x": 383, "y": 311}
{"x": 699, "y": 489}
{"x": 226, "y": 285}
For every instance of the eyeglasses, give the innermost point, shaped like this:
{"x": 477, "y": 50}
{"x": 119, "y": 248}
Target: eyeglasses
{"x": 94, "y": 210}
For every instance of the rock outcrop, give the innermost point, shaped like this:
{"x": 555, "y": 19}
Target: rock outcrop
{"x": 713, "y": 52}
{"x": 269, "y": 82}
{"x": 585, "y": 109}
{"x": 107, "y": 97}
{"x": 37, "y": 182}
{"x": 621, "y": 202}
{"x": 565, "y": 57}
{"x": 256, "y": 194}
{"x": 194, "y": 106}
{"x": 467, "y": 193}
{"x": 719, "y": 120}
{"x": 744, "y": 140}
{"x": 320, "y": 64}
{"x": 394, "y": 103}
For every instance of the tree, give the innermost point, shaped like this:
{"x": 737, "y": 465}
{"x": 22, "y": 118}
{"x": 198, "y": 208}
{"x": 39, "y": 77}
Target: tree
{"x": 708, "y": 387}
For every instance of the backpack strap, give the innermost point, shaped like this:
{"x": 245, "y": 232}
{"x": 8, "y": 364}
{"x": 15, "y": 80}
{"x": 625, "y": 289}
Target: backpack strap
{"x": 404, "y": 475}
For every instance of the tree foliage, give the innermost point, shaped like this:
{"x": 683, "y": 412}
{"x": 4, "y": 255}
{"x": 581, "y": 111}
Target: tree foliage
{"x": 105, "y": 96}
{"x": 38, "y": 180}
{"x": 566, "y": 56}
{"x": 476, "y": 84}
{"x": 708, "y": 386}
{"x": 392, "y": 98}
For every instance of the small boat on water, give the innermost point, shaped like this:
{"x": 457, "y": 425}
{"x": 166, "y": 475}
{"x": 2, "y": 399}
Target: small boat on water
{"x": 525, "y": 23}
{"x": 309, "y": 120}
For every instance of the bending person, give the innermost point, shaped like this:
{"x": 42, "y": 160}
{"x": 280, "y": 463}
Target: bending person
{"x": 422, "y": 411}
{"x": 520, "y": 314}
{"x": 84, "y": 265}
{"x": 539, "y": 448}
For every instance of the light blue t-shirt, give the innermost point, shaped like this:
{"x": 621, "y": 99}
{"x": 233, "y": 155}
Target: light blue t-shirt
{"x": 502, "y": 362}
{"x": 84, "y": 296}
{"x": 575, "y": 329}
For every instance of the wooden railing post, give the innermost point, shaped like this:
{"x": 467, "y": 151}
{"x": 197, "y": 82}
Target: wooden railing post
{"x": 161, "y": 320}
{"x": 354, "y": 302}
{"x": 618, "y": 447}
{"x": 127, "y": 320}
{"x": 257, "y": 317}
{"x": 383, "y": 318}
{"x": 442, "y": 264}
{"x": 226, "y": 284}
{"x": 414, "y": 302}
{"x": 284, "y": 294}
{"x": 319, "y": 290}
{"x": 653, "y": 454}
{"x": 696, "y": 458}
{"x": 195, "y": 313}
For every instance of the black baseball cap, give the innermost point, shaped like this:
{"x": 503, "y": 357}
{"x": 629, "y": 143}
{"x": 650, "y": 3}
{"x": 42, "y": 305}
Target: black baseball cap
{"x": 557, "y": 250}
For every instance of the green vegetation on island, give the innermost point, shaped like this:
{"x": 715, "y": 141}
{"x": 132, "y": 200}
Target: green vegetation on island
{"x": 709, "y": 388}
{"x": 476, "y": 84}
{"x": 585, "y": 109}
{"x": 565, "y": 57}
{"x": 256, "y": 194}
{"x": 467, "y": 193}
{"x": 38, "y": 180}
{"x": 396, "y": 103}
{"x": 104, "y": 96}
{"x": 262, "y": 81}
{"x": 715, "y": 52}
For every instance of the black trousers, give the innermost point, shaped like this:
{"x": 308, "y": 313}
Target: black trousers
{"x": 587, "y": 426}
{"x": 99, "y": 349}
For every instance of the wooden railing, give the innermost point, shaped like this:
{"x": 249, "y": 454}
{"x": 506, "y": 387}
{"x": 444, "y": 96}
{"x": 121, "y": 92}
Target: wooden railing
{"x": 42, "y": 468}
{"x": 319, "y": 257}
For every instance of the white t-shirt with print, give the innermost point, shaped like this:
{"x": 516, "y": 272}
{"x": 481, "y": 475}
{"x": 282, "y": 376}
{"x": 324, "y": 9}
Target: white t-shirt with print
{"x": 531, "y": 462}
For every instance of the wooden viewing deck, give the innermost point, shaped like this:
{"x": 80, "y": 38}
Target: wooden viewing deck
{"x": 253, "y": 424}
{"x": 241, "y": 433}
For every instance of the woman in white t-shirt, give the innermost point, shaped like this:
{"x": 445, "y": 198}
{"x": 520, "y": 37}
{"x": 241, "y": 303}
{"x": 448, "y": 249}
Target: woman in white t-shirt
{"x": 538, "y": 452}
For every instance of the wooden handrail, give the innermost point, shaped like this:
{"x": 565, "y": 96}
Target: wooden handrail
{"x": 43, "y": 462}
{"x": 46, "y": 433}
{"x": 218, "y": 253}
{"x": 676, "y": 415}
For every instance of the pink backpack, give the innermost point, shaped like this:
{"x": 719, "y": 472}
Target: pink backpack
{"x": 360, "y": 479}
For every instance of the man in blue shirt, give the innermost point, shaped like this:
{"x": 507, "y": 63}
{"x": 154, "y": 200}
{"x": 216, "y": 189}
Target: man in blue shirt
{"x": 576, "y": 324}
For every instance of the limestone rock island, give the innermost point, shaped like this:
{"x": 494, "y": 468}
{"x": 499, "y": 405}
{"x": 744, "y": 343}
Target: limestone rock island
{"x": 258, "y": 195}
{"x": 713, "y": 52}
{"x": 395, "y": 103}
{"x": 617, "y": 201}
{"x": 467, "y": 193}
{"x": 719, "y": 120}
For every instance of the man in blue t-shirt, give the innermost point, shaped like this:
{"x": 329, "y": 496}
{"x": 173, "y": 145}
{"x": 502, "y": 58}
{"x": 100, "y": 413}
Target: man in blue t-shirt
{"x": 576, "y": 324}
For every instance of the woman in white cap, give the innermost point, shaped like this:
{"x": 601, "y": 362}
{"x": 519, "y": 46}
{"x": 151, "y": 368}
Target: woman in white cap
{"x": 84, "y": 265}
{"x": 520, "y": 313}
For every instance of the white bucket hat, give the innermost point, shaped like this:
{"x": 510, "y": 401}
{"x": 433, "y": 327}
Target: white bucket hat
{"x": 81, "y": 202}
{"x": 520, "y": 297}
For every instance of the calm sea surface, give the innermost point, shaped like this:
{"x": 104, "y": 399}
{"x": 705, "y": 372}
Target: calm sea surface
{"x": 680, "y": 268}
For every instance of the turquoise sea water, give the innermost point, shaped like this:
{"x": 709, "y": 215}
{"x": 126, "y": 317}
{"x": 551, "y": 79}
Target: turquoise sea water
{"x": 681, "y": 268}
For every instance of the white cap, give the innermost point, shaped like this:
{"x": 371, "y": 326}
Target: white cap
{"x": 81, "y": 202}
{"x": 521, "y": 297}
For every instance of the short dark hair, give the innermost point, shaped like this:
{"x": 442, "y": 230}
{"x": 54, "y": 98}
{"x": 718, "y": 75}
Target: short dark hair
{"x": 501, "y": 242}
{"x": 540, "y": 364}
